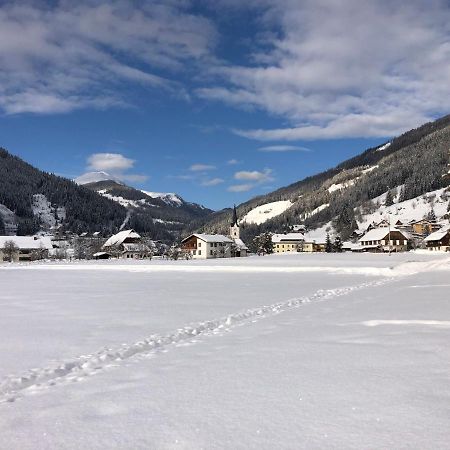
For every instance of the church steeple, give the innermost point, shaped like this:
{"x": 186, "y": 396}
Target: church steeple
{"x": 234, "y": 222}
{"x": 234, "y": 226}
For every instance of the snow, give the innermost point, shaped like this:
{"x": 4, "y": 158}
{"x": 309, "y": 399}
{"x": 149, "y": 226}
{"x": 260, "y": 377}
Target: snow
{"x": 383, "y": 147}
{"x": 437, "y": 235}
{"x": 211, "y": 237}
{"x": 413, "y": 209}
{"x": 9, "y": 219}
{"x": 118, "y": 238}
{"x": 45, "y": 212}
{"x": 298, "y": 351}
{"x": 121, "y": 200}
{"x": 94, "y": 177}
{"x": 28, "y": 242}
{"x": 339, "y": 186}
{"x": 263, "y": 213}
{"x": 168, "y": 197}
{"x": 318, "y": 209}
{"x": 377, "y": 234}
{"x": 288, "y": 237}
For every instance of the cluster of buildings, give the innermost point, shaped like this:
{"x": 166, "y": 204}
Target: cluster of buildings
{"x": 207, "y": 246}
{"x": 425, "y": 233}
{"x": 127, "y": 244}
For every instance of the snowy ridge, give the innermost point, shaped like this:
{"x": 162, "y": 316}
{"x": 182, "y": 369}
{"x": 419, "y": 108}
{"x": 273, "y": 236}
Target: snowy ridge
{"x": 87, "y": 365}
{"x": 167, "y": 197}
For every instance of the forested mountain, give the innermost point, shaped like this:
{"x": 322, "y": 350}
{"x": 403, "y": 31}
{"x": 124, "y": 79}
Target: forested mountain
{"x": 32, "y": 200}
{"x": 148, "y": 209}
{"x": 61, "y": 201}
{"x": 414, "y": 162}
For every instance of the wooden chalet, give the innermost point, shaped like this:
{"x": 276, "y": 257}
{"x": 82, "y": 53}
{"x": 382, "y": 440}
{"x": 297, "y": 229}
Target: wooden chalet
{"x": 438, "y": 241}
{"x": 383, "y": 240}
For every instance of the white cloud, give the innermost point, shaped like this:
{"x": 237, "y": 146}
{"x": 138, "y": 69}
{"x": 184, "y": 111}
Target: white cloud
{"x": 254, "y": 175}
{"x": 201, "y": 167}
{"x": 73, "y": 55}
{"x": 213, "y": 182}
{"x": 109, "y": 162}
{"x": 337, "y": 69}
{"x": 233, "y": 162}
{"x": 240, "y": 187}
{"x": 116, "y": 165}
{"x": 283, "y": 148}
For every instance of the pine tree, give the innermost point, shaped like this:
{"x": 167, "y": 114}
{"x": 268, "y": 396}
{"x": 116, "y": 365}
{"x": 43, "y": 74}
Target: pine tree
{"x": 431, "y": 215}
{"x": 337, "y": 244}
{"x": 328, "y": 244}
{"x": 389, "y": 198}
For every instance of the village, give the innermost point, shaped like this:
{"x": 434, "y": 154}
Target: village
{"x": 425, "y": 234}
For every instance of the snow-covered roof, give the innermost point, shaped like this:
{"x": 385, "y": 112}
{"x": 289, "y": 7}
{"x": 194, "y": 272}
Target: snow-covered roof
{"x": 240, "y": 244}
{"x": 118, "y": 238}
{"x": 28, "y": 242}
{"x": 437, "y": 235}
{"x": 377, "y": 234}
{"x": 288, "y": 237}
{"x": 210, "y": 237}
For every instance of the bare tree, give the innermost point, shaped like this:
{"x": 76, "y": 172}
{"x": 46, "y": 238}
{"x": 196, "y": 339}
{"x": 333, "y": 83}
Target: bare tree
{"x": 10, "y": 249}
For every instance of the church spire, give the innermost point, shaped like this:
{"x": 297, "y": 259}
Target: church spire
{"x": 234, "y": 222}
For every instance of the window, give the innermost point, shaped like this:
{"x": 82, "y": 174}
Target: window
{"x": 199, "y": 252}
{"x": 199, "y": 244}
{"x": 194, "y": 252}
{"x": 211, "y": 252}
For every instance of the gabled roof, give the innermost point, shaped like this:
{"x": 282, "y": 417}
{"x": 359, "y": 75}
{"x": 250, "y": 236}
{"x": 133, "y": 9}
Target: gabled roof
{"x": 437, "y": 235}
{"x": 240, "y": 244}
{"x": 210, "y": 237}
{"x": 378, "y": 234}
{"x": 28, "y": 242}
{"x": 118, "y": 238}
{"x": 288, "y": 237}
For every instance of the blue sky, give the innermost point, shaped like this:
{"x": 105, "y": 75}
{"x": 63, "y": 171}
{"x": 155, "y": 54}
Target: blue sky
{"x": 212, "y": 100}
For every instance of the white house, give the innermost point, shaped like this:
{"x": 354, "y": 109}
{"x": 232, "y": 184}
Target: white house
{"x": 383, "y": 239}
{"x": 28, "y": 247}
{"x": 127, "y": 244}
{"x": 206, "y": 246}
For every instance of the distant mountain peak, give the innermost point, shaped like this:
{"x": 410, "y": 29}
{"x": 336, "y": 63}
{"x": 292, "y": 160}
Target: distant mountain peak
{"x": 94, "y": 177}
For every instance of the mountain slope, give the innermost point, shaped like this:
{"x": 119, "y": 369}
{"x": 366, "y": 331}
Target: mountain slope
{"x": 34, "y": 200}
{"x": 166, "y": 210}
{"x": 414, "y": 161}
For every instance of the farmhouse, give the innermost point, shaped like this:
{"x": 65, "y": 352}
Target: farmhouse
{"x": 27, "y": 248}
{"x": 439, "y": 240}
{"x": 127, "y": 244}
{"x": 289, "y": 242}
{"x": 206, "y": 246}
{"x": 381, "y": 239}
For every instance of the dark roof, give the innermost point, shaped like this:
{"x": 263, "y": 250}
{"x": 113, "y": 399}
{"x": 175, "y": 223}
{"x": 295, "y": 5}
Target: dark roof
{"x": 234, "y": 222}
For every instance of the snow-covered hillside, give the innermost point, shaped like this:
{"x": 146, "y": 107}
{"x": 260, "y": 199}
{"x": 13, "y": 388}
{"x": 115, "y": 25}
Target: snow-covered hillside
{"x": 293, "y": 352}
{"x": 262, "y": 213}
{"x": 413, "y": 209}
{"x": 167, "y": 197}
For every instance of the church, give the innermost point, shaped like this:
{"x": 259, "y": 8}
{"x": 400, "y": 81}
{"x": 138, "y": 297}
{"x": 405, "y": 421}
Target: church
{"x": 207, "y": 246}
{"x": 240, "y": 248}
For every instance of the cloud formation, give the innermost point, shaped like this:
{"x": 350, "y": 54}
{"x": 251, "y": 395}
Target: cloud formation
{"x": 201, "y": 167}
{"x": 73, "y": 55}
{"x": 338, "y": 69}
{"x": 116, "y": 165}
{"x": 212, "y": 182}
{"x": 283, "y": 148}
{"x": 251, "y": 179}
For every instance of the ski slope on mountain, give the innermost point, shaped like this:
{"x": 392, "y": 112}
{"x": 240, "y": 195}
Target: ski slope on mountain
{"x": 295, "y": 351}
{"x": 263, "y": 213}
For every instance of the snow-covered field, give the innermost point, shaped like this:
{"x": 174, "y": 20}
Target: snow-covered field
{"x": 263, "y": 213}
{"x": 287, "y": 351}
